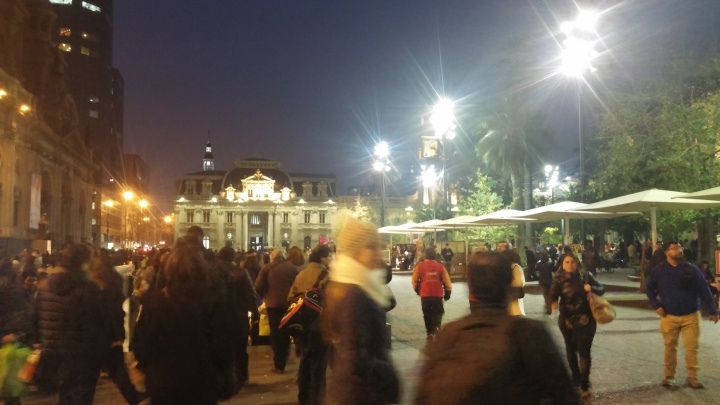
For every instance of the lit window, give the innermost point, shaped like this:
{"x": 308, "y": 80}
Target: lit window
{"x": 307, "y": 217}
{"x": 93, "y": 114}
{"x": 90, "y": 37}
{"x": 255, "y": 219}
{"x": 94, "y": 100}
{"x": 93, "y": 221}
{"x": 190, "y": 216}
{"x": 65, "y": 32}
{"x": 61, "y": 1}
{"x": 322, "y": 217}
{"x": 85, "y": 50}
{"x": 91, "y": 7}
{"x": 65, "y": 47}
{"x": 285, "y": 217}
{"x": 206, "y": 216}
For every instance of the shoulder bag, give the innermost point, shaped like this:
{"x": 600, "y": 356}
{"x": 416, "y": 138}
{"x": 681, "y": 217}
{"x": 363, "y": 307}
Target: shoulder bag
{"x": 304, "y": 311}
{"x": 602, "y": 310}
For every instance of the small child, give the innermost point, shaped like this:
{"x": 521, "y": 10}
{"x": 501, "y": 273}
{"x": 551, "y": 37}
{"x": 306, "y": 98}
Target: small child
{"x": 13, "y": 356}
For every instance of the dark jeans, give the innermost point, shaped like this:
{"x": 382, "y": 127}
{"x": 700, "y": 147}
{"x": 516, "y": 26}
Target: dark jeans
{"x": 578, "y": 333}
{"x": 433, "y": 311}
{"x": 548, "y": 299}
{"x": 117, "y": 370}
{"x": 280, "y": 340}
{"x": 77, "y": 386}
{"x": 311, "y": 373}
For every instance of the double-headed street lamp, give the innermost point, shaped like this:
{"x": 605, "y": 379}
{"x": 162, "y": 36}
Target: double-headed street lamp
{"x": 443, "y": 122}
{"x": 382, "y": 165}
{"x": 577, "y": 55}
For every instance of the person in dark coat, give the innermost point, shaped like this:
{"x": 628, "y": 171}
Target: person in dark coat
{"x": 185, "y": 339}
{"x": 545, "y": 271}
{"x": 576, "y": 322}
{"x": 273, "y": 285}
{"x": 70, "y": 322}
{"x": 353, "y": 321}
{"x": 242, "y": 299}
{"x": 110, "y": 282}
{"x": 313, "y": 350}
{"x": 518, "y": 363}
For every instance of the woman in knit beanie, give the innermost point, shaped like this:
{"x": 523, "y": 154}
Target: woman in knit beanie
{"x": 353, "y": 320}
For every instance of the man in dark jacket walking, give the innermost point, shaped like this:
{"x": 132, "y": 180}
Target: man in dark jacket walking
{"x": 70, "y": 322}
{"x": 545, "y": 271}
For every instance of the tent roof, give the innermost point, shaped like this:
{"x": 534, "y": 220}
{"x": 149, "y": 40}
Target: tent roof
{"x": 567, "y": 209}
{"x": 708, "y": 194}
{"x": 653, "y": 198}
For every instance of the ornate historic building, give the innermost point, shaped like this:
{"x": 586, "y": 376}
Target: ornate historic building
{"x": 46, "y": 171}
{"x": 256, "y": 205}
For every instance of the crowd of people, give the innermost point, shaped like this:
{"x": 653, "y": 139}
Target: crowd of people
{"x": 195, "y": 310}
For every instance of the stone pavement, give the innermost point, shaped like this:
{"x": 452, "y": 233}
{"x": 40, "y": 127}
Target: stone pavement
{"x": 627, "y": 353}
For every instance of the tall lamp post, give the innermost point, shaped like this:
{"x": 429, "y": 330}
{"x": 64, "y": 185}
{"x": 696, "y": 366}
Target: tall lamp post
{"x": 577, "y": 55}
{"x": 443, "y": 121}
{"x": 128, "y": 195}
{"x": 109, "y": 204}
{"x": 143, "y": 204}
{"x": 382, "y": 165}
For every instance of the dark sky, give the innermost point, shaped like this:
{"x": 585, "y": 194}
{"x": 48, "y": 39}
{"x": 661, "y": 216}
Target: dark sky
{"x": 314, "y": 84}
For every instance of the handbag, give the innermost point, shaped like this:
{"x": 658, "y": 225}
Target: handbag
{"x": 304, "y": 311}
{"x": 602, "y": 310}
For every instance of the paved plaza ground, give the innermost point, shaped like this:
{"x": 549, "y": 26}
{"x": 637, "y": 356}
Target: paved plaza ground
{"x": 627, "y": 353}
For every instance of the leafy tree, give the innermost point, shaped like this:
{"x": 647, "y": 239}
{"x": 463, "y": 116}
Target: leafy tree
{"x": 480, "y": 199}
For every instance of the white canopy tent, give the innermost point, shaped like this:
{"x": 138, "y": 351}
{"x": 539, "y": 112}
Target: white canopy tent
{"x": 565, "y": 211}
{"x": 651, "y": 200}
{"x": 708, "y": 194}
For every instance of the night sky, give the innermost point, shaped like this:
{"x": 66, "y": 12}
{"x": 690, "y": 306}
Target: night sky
{"x": 314, "y": 84}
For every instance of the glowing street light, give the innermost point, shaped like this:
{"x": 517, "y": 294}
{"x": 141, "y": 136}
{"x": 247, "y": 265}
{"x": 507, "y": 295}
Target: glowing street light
{"x": 382, "y": 165}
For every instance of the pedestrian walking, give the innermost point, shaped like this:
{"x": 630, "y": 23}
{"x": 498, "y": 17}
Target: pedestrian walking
{"x": 110, "y": 282}
{"x": 518, "y": 363}
{"x": 432, "y": 283}
{"x": 313, "y": 349}
{"x": 576, "y": 322}
{"x": 71, "y": 325}
{"x": 545, "y": 270}
{"x": 185, "y": 342}
{"x": 273, "y": 285}
{"x": 674, "y": 289}
{"x": 353, "y": 321}
{"x": 447, "y": 255}
{"x": 516, "y": 305}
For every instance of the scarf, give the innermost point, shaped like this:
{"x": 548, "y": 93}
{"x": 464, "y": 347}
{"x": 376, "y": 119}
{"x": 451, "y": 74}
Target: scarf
{"x": 347, "y": 270}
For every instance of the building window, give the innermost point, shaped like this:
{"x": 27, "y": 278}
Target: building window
{"x": 90, "y": 37}
{"x": 254, "y": 219}
{"x": 190, "y": 216}
{"x": 285, "y": 217}
{"x": 85, "y": 50}
{"x": 307, "y": 216}
{"x": 93, "y": 114}
{"x": 65, "y": 32}
{"x": 206, "y": 216}
{"x": 65, "y": 47}
{"x": 91, "y": 7}
{"x": 228, "y": 217}
{"x": 93, "y": 221}
{"x": 322, "y": 217}
{"x": 94, "y": 100}
{"x": 206, "y": 242}
{"x": 61, "y": 1}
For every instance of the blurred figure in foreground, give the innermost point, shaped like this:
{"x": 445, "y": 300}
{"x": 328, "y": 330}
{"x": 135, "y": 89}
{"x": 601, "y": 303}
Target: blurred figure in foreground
{"x": 353, "y": 321}
{"x": 519, "y": 363}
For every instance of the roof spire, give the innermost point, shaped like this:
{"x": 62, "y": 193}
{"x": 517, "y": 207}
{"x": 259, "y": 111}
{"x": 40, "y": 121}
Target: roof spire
{"x": 208, "y": 159}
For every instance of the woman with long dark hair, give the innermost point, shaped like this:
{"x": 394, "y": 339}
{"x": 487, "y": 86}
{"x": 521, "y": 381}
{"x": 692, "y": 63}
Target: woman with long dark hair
{"x": 571, "y": 286}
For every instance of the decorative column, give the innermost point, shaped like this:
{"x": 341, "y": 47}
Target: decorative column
{"x": 270, "y": 230}
{"x": 220, "y": 228}
{"x": 237, "y": 217}
{"x": 244, "y": 219}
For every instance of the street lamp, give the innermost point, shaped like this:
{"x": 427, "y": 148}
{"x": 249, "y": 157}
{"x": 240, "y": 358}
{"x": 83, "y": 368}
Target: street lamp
{"x": 128, "y": 195}
{"x": 443, "y": 121}
{"x": 577, "y": 55}
{"x": 143, "y": 204}
{"x": 109, "y": 204}
{"x": 382, "y": 165}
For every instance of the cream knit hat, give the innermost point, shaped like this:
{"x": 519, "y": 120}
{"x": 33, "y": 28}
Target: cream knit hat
{"x": 354, "y": 235}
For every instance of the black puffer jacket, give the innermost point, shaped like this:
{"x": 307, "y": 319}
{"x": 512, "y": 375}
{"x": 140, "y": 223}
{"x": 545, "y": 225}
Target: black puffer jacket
{"x": 70, "y": 317}
{"x": 362, "y": 371}
{"x": 569, "y": 287}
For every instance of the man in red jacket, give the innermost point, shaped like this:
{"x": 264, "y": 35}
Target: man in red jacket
{"x": 432, "y": 283}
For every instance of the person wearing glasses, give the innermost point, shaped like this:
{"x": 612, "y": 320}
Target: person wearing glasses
{"x": 674, "y": 290}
